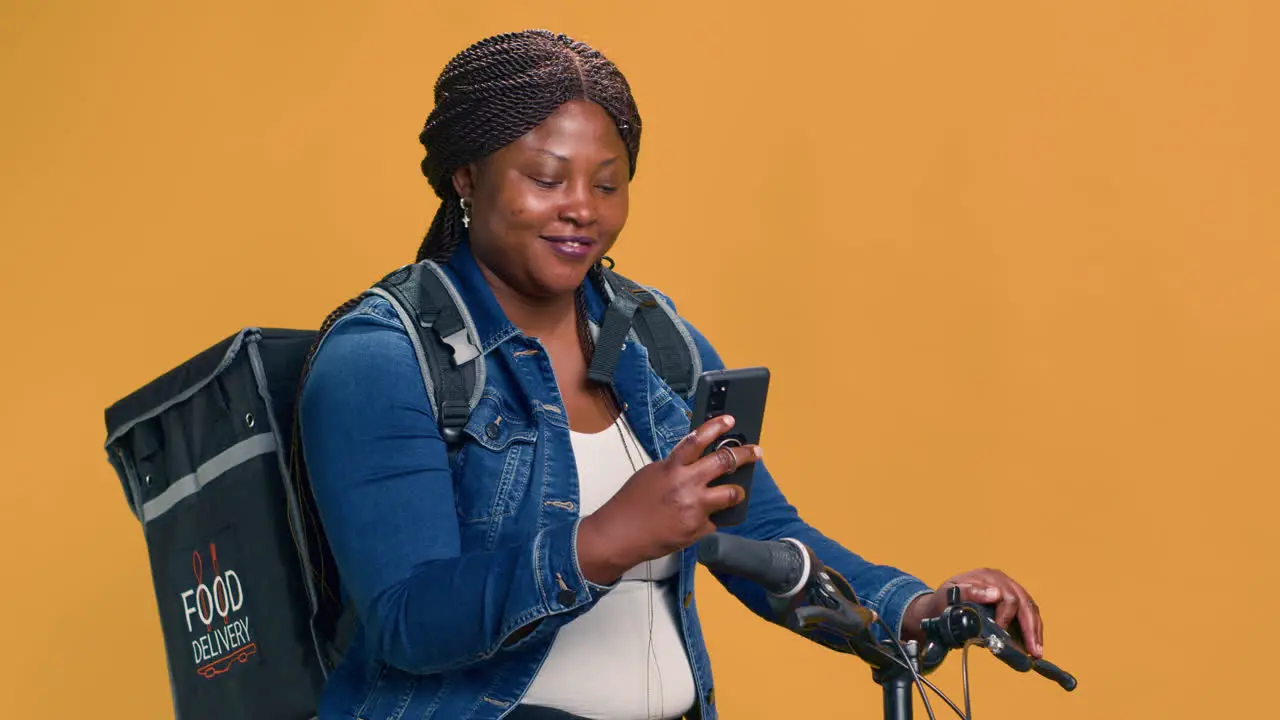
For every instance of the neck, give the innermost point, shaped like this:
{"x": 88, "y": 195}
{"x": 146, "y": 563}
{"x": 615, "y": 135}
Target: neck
{"x": 540, "y": 317}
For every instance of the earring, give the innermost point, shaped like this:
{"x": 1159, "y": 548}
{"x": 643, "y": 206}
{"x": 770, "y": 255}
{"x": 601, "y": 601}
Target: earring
{"x": 466, "y": 212}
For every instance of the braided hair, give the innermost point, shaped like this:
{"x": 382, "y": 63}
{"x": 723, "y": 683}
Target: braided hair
{"x": 487, "y": 96}
{"x": 499, "y": 89}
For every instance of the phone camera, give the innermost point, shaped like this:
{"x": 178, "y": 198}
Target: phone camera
{"x": 719, "y": 393}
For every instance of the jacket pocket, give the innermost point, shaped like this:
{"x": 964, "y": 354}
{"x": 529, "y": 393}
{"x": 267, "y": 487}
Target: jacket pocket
{"x": 671, "y": 416}
{"x": 494, "y": 465}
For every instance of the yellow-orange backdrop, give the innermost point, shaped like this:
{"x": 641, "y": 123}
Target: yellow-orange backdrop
{"x": 1033, "y": 242}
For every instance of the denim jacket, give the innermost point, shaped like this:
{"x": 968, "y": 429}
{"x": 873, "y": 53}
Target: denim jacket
{"x": 461, "y": 569}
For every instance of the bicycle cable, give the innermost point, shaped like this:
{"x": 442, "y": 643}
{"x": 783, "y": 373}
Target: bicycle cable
{"x": 910, "y": 666}
{"x": 921, "y": 681}
{"x": 964, "y": 675}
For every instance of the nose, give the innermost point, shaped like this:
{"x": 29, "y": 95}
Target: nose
{"x": 579, "y": 206}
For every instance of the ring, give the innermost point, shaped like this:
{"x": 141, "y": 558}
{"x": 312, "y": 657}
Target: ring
{"x": 727, "y": 459}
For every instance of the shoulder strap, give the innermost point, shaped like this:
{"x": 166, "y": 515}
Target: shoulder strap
{"x": 449, "y": 355}
{"x": 672, "y": 353}
{"x": 444, "y": 338}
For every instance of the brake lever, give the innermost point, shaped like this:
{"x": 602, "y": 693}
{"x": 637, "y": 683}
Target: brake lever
{"x": 842, "y": 619}
{"x": 1009, "y": 646}
{"x": 965, "y": 622}
{"x": 836, "y": 619}
{"x": 827, "y": 601}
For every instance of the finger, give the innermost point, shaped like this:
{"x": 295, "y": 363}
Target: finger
{"x": 691, "y": 446}
{"x": 728, "y": 460}
{"x": 722, "y": 497}
{"x": 979, "y": 593}
{"x": 1007, "y": 609}
{"x": 1039, "y": 628}
{"x": 1032, "y": 624}
{"x": 707, "y": 528}
{"x": 724, "y": 461}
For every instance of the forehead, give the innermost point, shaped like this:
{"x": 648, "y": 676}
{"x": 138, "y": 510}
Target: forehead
{"x": 576, "y": 128}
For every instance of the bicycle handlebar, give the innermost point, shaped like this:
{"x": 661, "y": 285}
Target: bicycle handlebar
{"x": 790, "y": 571}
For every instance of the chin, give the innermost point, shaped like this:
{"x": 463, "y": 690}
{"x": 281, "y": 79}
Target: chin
{"x": 560, "y": 281}
{"x": 557, "y": 275}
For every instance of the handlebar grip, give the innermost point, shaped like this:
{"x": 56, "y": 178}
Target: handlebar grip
{"x": 1053, "y": 672}
{"x": 780, "y": 566}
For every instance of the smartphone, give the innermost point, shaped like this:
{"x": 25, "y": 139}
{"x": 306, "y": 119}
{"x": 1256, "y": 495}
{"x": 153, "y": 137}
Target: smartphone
{"x": 739, "y": 392}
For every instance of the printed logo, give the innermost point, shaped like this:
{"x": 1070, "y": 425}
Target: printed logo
{"x": 212, "y": 609}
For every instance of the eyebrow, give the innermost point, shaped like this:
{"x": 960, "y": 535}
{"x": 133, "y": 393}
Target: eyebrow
{"x": 562, "y": 158}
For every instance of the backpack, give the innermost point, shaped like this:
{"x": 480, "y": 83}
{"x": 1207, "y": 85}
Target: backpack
{"x": 209, "y": 459}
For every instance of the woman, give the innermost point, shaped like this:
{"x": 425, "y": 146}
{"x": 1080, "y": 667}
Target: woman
{"x": 546, "y": 569}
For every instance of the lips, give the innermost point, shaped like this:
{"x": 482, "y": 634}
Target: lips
{"x": 571, "y": 246}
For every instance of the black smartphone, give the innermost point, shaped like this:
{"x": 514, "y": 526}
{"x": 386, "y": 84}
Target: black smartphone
{"x": 739, "y": 392}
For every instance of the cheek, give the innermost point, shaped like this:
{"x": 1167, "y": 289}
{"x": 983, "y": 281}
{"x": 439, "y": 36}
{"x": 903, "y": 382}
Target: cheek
{"x": 615, "y": 214}
{"x": 524, "y": 211}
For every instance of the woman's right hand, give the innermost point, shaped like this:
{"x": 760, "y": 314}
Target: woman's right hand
{"x": 664, "y": 507}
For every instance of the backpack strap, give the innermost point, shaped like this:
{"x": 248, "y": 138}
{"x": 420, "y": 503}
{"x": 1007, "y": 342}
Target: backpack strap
{"x": 453, "y": 368}
{"x": 672, "y": 353}
{"x": 444, "y": 341}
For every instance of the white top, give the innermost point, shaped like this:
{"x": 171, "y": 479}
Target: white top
{"x": 623, "y": 659}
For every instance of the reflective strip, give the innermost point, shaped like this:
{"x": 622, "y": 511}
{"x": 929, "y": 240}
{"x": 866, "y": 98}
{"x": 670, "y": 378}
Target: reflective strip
{"x": 241, "y": 452}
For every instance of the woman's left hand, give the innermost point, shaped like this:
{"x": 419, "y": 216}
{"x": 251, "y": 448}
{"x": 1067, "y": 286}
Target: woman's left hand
{"x": 985, "y": 587}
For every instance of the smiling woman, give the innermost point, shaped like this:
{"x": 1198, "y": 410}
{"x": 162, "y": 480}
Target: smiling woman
{"x": 545, "y": 568}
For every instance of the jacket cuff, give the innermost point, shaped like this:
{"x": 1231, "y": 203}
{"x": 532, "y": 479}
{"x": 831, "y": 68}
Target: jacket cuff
{"x": 892, "y": 601}
{"x": 560, "y": 579}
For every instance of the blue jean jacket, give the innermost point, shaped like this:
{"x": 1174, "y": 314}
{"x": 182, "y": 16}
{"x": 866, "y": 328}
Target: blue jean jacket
{"x": 445, "y": 559}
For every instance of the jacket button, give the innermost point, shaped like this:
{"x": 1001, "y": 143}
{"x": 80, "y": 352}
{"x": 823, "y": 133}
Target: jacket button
{"x": 565, "y": 597}
{"x": 492, "y": 430}
{"x": 688, "y": 599}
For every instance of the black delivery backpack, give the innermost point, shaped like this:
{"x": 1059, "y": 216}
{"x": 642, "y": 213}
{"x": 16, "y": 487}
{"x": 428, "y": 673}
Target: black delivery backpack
{"x": 248, "y": 594}
{"x": 202, "y": 452}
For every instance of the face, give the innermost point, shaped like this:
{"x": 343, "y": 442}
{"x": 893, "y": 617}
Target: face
{"x": 549, "y": 205}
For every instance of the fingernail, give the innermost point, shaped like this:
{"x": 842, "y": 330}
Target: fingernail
{"x": 728, "y": 420}
{"x": 759, "y": 452}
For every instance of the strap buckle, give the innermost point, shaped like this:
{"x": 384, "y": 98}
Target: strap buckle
{"x": 463, "y": 349}
{"x": 453, "y": 416}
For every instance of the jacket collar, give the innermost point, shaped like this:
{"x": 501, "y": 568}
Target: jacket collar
{"x": 491, "y": 322}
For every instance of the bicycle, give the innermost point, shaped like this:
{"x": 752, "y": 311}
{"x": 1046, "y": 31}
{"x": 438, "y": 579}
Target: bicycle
{"x": 815, "y": 601}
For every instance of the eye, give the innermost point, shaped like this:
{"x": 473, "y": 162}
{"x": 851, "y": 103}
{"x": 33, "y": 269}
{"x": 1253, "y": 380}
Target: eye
{"x": 607, "y": 189}
{"x": 544, "y": 184}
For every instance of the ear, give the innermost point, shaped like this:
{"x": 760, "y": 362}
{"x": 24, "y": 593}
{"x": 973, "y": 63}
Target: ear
{"x": 464, "y": 180}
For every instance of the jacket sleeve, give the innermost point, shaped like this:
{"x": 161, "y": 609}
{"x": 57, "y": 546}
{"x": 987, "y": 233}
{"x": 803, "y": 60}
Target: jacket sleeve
{"x": 884, "y": 589}
{"x": 380, "y": 474}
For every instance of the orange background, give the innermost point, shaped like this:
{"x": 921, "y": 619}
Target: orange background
{"x": 1012, "y": 264}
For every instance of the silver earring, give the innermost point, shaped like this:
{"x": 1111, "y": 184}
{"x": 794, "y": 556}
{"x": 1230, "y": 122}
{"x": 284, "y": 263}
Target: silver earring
{"x": 466, "y": 212}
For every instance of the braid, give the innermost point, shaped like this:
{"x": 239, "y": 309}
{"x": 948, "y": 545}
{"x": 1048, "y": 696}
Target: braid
{"x": 447, "y": 229}
{"x": 497, "y": 90}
